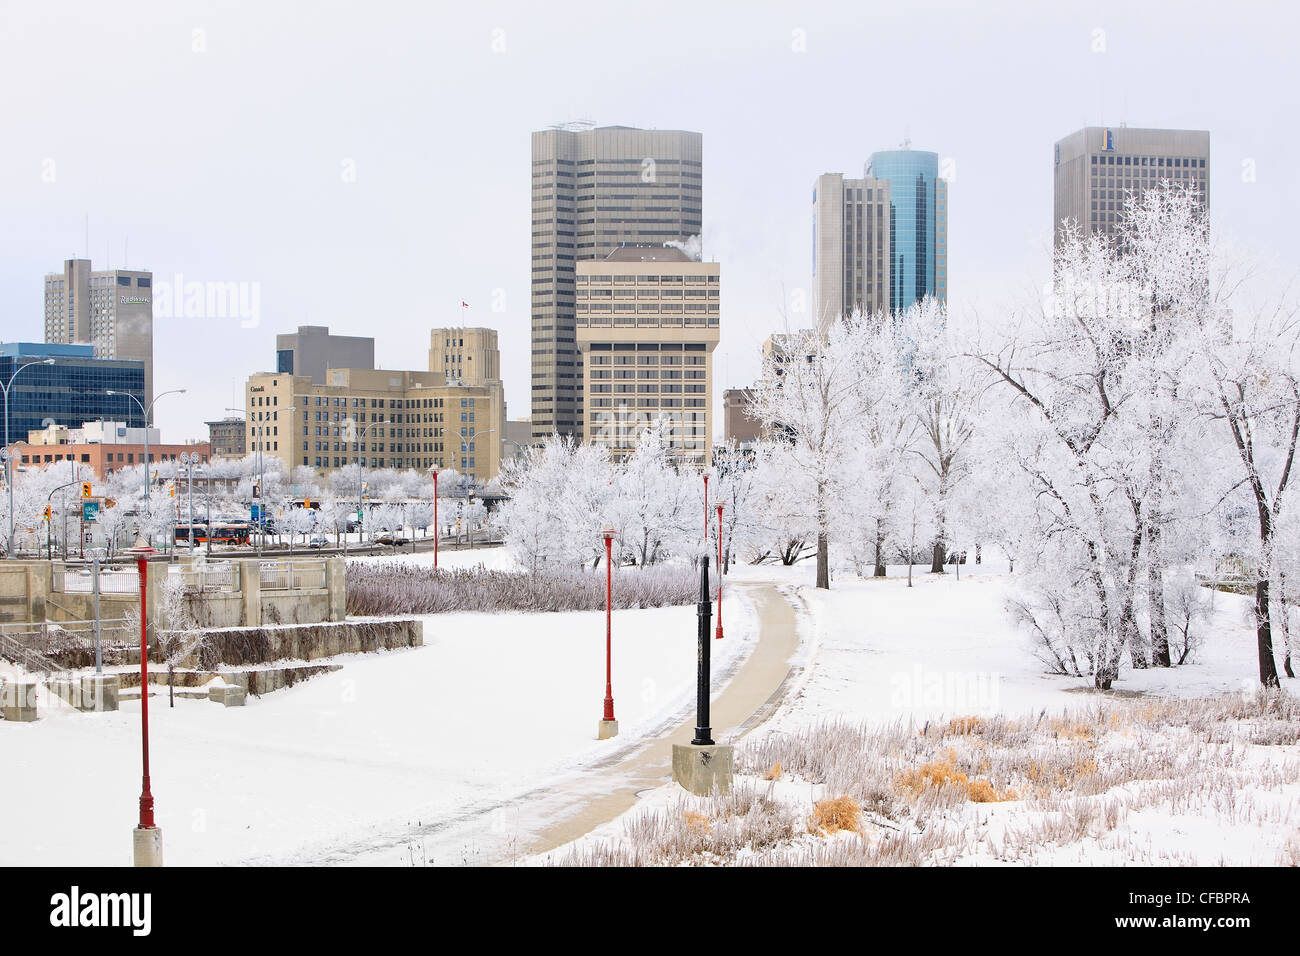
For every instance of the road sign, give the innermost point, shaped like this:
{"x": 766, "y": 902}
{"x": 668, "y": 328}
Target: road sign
{"x": 254, "y": 512}
{"x": 89, "y": 510}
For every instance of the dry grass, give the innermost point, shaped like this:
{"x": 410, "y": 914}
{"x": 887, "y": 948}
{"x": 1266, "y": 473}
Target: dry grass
{"x": 922, "y": 795}
{"x": 382, "y": 588}
{"x": 838, "y": 813}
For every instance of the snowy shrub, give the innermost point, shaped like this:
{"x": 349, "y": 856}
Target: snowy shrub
{"x": 382, "y": 588}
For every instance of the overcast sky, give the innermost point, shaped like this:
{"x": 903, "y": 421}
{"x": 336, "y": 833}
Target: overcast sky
{"x": 366, "y": 165}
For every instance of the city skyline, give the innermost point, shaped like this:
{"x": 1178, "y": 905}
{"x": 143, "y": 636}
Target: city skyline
{"x": 356, "y": 198}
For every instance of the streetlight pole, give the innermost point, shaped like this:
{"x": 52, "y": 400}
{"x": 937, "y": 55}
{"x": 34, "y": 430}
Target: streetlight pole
{"x": 147, "y": 838}
{"x": 8, "y": 458}
{"x": 189, "y": 460}
{"x": 718, "y": 634}
{"x": 361, "y": 456}
{"x": 706, "y": 506}
{"x": 435, "y": 519}
{"x": 608, "y": 726}
{"x": 147, "y": 412}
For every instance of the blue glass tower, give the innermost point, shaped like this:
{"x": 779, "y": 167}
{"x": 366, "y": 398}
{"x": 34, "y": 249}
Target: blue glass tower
{"x": 918, "y": 217}
{"x": 70, "y": 392}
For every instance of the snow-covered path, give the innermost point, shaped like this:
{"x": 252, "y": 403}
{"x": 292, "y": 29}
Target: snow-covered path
{"x": 496, "y": 829}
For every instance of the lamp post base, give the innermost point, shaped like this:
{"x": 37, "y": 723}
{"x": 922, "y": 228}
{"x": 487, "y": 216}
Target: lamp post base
{"x": 147, "y": 844}
{"x": 606, "y": 729}
{"x": 703, "y": 768}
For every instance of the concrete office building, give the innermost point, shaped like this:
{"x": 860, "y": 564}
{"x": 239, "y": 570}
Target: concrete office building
{"x": 471, "y": 356}
{"x": 737, "y": 424}
{"x": 312, "y": 350}
{"x": 71, "y": 391}
{"x": 392, "y": 419}
{"x": 228, "y": 437}
{"x": 110, "y": 310}
{"x": 594, "y": 189}
{"x": 647, "y": 324}
{"x": 1097, "y": 168}
{"x": 880, "y": 243}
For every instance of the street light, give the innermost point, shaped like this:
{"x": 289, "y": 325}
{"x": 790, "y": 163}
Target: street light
{"x": 147, "y": 412}
{"x": 189, "y": 460}
{"x": 608, "y": 726}
{"x": 361, "y": 457}
{"x": 435, "y": 519}
{"x": 718, "y": 633}
{"x": 8, "y": 457}
{"x": 706, "y": 505}
{"x": 147, "y": 837}
{"x": 259, "y": 467}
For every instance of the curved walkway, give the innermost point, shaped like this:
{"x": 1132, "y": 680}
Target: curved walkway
{"x": 601, "y": 795}
{"x": 571, "y": 806}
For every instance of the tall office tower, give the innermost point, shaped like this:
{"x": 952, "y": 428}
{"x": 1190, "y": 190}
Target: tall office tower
{"x": 880, "y": 243}
{"x": 918, "y": 225}
{"x": 312, "y": 350}
{"x": 111, "y": 310}
{"x": 1097, "y": 168}
{"x": 850, "y": 247}
{"x": 595, "y": 189}
{"x": 647, "y": 323}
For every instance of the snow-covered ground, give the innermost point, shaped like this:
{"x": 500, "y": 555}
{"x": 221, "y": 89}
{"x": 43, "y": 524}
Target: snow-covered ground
{"x": 876, "y": 651}
{"x": 490, "y": 707}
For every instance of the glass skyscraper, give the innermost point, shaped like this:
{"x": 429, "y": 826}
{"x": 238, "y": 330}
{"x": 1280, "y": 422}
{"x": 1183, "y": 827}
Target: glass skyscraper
{"x": 880, "y": 243}
{"x": 70, "y": 392}
{"x": 918, "y": 224}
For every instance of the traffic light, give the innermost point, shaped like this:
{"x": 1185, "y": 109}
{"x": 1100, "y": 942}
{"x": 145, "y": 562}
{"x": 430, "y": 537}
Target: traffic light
{"x": 85, "y": 489}
{"x": 47, "y": 512}
{"x": 306, "y": 503}
{"x": 171, "y": 489}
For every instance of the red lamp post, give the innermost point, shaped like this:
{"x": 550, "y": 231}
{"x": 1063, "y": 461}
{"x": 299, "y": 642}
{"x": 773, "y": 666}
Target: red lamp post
{"x": 148, "y": 851}
{"x": 435, "y": 519}
{"x": 608, "y": 725}
{"x": 706, "y": 506}
{"x": 718, "y": 632}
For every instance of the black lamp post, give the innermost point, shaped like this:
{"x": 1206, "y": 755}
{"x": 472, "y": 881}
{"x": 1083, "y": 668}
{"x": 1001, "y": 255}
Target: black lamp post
{"x": 704, "y": 612}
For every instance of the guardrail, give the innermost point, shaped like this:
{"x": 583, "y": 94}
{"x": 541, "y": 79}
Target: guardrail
{"x": 214, "y": 576}
{"x": 292, "y": 575}
{"x": 112, "y": 580}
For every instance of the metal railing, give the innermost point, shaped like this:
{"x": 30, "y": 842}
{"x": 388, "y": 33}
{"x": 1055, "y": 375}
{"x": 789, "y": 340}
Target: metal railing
{"x": 112, "y": 580}
{"x": 214, "y": 576}
{"x": 292, "y": 575}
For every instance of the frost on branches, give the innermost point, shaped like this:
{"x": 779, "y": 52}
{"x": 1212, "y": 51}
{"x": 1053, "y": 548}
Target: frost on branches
{"x": 1118, "y": 407}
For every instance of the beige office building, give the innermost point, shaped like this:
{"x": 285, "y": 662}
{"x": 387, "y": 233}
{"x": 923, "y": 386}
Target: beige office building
{"x": 471, "y": 356}
{"x": 1097, "y": 168}
{"x": 391, "y": 419}
{"x": 110, "y": 309}
{"x": 647, "y": 324}
{"x": 594, "y": 189}
{"x": 738, "y": 425}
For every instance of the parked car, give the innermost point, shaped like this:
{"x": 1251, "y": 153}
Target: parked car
{"x": 318, "y": 541}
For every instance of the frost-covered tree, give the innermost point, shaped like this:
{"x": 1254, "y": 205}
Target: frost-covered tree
{"x": 652, "y": 509}
{"x": 561, "y": 494}
{"x": 813, "y": 393}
